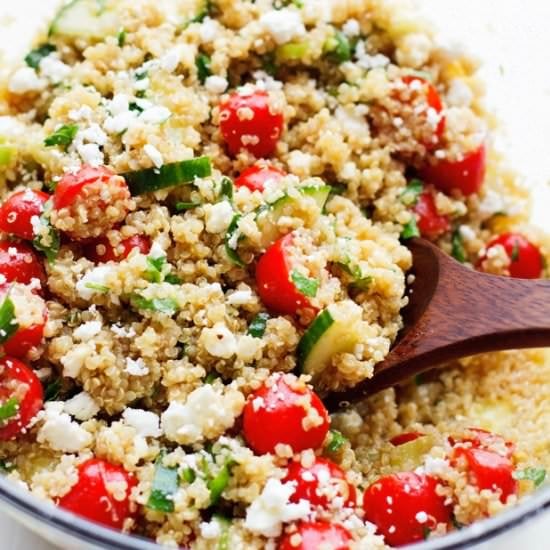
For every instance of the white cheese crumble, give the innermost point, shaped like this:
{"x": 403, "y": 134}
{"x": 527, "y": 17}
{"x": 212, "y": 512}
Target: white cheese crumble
{"x": 414, "y": 50}
{"x": 88, "y": 330}
{"x": 83, "y": 113}
{"x": 136, "y": 367}
{"x": 54, "y": 69}
{"x": 82, "y": 406}
{"x": 240, "y": 297}
{"x": 60, "y": 432}
{"x": 459, "y": 94}
{"x": 351, "y": 28}
{"x": 96, "y": 276}
{"x": 91, "y": 154}
{"x": 25, "y": 80}
{"x": 283, "y": 25}
{"x": 219, "y": 341}
{"x": 218, "y": 217}
{"x": 367, "y": 61}
{"x": 154, "y": 155}
{"x": 171, "y": 59}
{"x": 210, "y": 530}
{"x": 216, "y": 84}
{"x": 74, "y": 359}
{"x": 208, "y": 30}
{"x": 146, "y": 423}
{"x": 266, "y": 515}
{"x": 155, "y": 115}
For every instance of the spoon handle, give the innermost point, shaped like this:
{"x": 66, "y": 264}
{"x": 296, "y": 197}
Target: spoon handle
{"x": 458, "y": 313}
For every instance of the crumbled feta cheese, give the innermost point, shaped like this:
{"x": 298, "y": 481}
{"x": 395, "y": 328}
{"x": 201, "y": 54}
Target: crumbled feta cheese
{"x": 491, "y": 203}
{"x": 136, "y": 367}
{"x": 92, "y": 134}
{"x": 83, "y": 113}
{"x": 367, "y": 61}
{"x": 119, "y": 123}
{"x": 414, "y": 50}
{"x": 96, "y": 276}
{"x": 122, "y": 332}
{"x": 211, "y": 530}
{"x": 351, "y": 28}
{"x": 266, "y": 515}
{"x": 467, "y": 233}
{"x": 216, "y": 84}
{"x": 25, "y": 80}
{"x": 82, "y": 406}
{"x": 88, "y": 330}
{"x": 208, "y": 30}
{"x": 248, "y": 346}
{"x": 156, "y": 250}
{"x": 352, "y": 123}
{"x": 218, "y": 217}
{"x": 300, "y": 163}
{"x": 54, "y": 69}
{"x": 240, "y": 297}
{"x": 155, "y": 115}
{"x": 219, "y": 341}
{"x": 74, "y": 359}
{"x": 154, "y": 154}
{"x": 283, "y": 25}
{"x": 60, "y": 432}
{"x": 171, "y": 59}
{"x": 146, "y": 423}
{"x": 459, "y": 94}
{"x": 91, "y": 154}
{"x": 119, "y": 104}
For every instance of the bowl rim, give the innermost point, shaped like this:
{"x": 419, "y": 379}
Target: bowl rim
{"x": 92, "y": 533}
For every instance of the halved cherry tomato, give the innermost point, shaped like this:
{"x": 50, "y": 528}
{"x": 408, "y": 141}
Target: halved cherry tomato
{"x": 488, "y": 470}
{"x": 526, "y": 260}
{"x": 465, "y": 175}
{"x": 101, "y": 250}
{"x": 273, "y": 277}
{"x": 431, "y": 224}
{"x": 18, "y": 382}
{"x": 20, "y": 263}
{"x": 17, "y": 211}
{"x": 403, "y": 506}
{"x": 24, "y": 340}
{"x": 406, "y": 437}
{"x": 320, "y": 484}
{"x": 255, "y": 177}
{"x": 102, "y": 493}
{"x": 316, "y": 535}
{"x": 284, "y": 411}
{"x": 248, "y": 122}
{"x": 420, "y": 86}
{"x": 483, "y": 439}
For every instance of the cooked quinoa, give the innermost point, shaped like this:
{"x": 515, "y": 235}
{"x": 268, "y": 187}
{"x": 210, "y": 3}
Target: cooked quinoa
{"x": 162, "y": 326}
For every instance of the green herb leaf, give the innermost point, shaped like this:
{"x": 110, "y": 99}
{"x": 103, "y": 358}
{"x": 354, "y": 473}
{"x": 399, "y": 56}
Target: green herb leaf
{"x": 515, "y": 252}
{"x": 426, "y": 532}
{"x": 268, "y": 64}
{"x": 219, "y": 482}
{"x": 47, "y": 240}
{"x": 414, "y": 189}
{"x": 172, "y": 279}
{"x": 34, "y": 57}
{"x": 165, "y": 485}
{"x": 338, "y": 48}
{"x": 458, "y": 251}
{"x": 258, "y": 324}
{"x": 163, "y": 305}
{"x": 52, "y": 390}
{"x": 362, "y": 284}
{"x": 210, "y": 377}
{"x": 206, "y": 10}
{"x": 63, "y": 136}
{"x": 121, "y": 38}
{"x": 7, "y": 466}
{"x": 133, "y": 106}
{"x": 338, "y": 189}
{"x": 141, "y": 74}
{"x": 8, "y": 326}
{"x": 98, "y": 287}
{"x": 9, "y": 409}
{"x": 337, "y": 440}
{"x": 536, "y": 475}
{"x": 183, "y": 206}
{"x": 308, "y": 287}
{"x": 155, "y": 267}
{"x": 410, "y": 229}
{"x": 226, "y": 189}
{"x": 50, "y": 185}
{"x": 188, "y": 475}
{"x": 203, "y": 62}
{"x": 231, "y": 243}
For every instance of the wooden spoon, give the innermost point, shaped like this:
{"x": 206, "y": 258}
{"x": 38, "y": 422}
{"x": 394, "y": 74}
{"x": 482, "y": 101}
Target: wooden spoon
{"x": 456, "y": 312}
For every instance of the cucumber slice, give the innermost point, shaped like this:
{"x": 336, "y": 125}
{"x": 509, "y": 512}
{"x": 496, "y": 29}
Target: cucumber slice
{"x": 91, "y": 19}
{"x": 333, "y": 331}
{"x": 177, "y": 173}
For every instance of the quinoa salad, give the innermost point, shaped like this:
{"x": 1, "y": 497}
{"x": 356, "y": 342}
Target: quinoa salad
{"x": 205, "y": 208}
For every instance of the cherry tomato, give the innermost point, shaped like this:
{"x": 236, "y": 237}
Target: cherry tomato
{"x": 248, "y": 121}
{"x": 406, "y": 437}
{"x": 403, "y": 506}
{"x": 20, "y": 263}
{"x": 101, "y": 250}
{"x": 284, "y": 411}
{"x": 255, "y": 177}
{"x": 24, "y": 340}
{"x": 18, "y": 382}
{"x": 488, "y": 470}
{"x": 526, "y": 261}
{"x": 96, "y": 495}
{"x": 430, "y": 224}
{"x": 421, "y": 86}
{"x": 483, "y": 439}
{"x": 273, "y": 277}
{"x": 317, "y": 535}
{"x": 321, "y": 483}
{"x": 18, "y": 210}
{"x": 465, "y": 175}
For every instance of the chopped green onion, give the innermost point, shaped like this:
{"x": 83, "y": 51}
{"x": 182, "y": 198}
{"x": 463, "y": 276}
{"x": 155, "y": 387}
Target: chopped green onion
{"x": 336, "y": 442}
{"x": 63, "y": 136}
{"x": 52, "y": 390}
{"x": 231, "y": 243}
{"x": 188, "y": 475}
{"x": 410, "y": 229}
{"x": 293, "y": 51}
{"x": 34, "y": 57}
{"x": 47, "y": 241}
{"x": 163, "y": 305}
{"x": 155, "y": 267}
{"x": 203, "y": 62}
{"x": 226, "y": 189}
{"x": 121, "y": 38}
{"x": 258, "y": 324}
{"x": 219, "y": 482}
{"x": 183, "y": 206}
{"x": 458, "y": 251}
{"x": 8, "y": 325}
{"x": 172, "y": 279}
{"x": 210, "y": 377}
{"x": 536, "y": 475}
{"x": 165, "y": 485}
{"x": 338, "y": 48}
{"x": 9, "y": 409}
{"x": 308, "y": 287}
{"x": 98, "y": 287}
{"x": 414, "y": 189}
{"x": 176, "y": 173}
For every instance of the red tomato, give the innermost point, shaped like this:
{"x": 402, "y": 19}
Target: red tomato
{"x": 20, "y": 263}
{"x": 433, "y": 101}
{"x": 320, "y": 484}
{"x": 19, "y": 382}
{"x": 255, "y": 177}
{"x": 464, "y": 175}
{"x": 403, "y": 506}
{"x": 101, "y": 250}
{"x": 70, "y": 186}
{"x": 93, "y": 496}
{"x": 430, "y": 224}
{"x": 526, "y": 261}
{"x": 488, "y": 470}
{"x": 24, "y": 340}
{"x": 247, "y": 121}
{"x": 18, "y": 209}
{"x": 273, "y": 278}
{"x": 403, "y": 438}
{"x": 316, "y": 535}
{"x": 483, "y": 439}
{"x": 276, "y": 414}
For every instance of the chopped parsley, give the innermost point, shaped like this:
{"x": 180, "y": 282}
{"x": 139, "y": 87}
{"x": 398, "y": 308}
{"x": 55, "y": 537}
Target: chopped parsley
{"x": 172, "y": 279}
{"x": 47, "y": 240}
{"x": 268, "y": 64}
{"x": 34, "y": 57}
{"x": 62, "y": 137}
{"x": 52, "y": 390}
{"x": 121, "y": 38}
{"x": 217, "y": 484}
{"x": 169, "y": 306}
{"x": 165, "y": 485}
{"x": 308, "y": 287}
{"x": 410, "y": 229}
{"x": 184, "y": 206}
{"x": 536, "y": 475}
{"x": 414, "y": 189}
{"x": 226, "y": 189}
{"x": 155, "y": 267}
{"x": 98, "y": 287}
{"x": 133, "y": 106}
{"x": 458, "y": 251}
{"x": 338, "y": 48}
{"x": 258, "y": 324}
{"x": 203, "y": 62}
{"x": 336, "y": 442}
{"x": 232, "y": 239}
{"x": 188, "y": 475}
{"x": 8, "y": 325}
{"x": 9, "y": 409}
{"x": 7, "y": 466}
{"x": 362, "y": 284}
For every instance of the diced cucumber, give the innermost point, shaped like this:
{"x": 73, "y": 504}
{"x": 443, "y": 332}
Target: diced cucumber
{"x": 333, "y": 331}
{"x": 90, "y": 19}
{"x": 410, "y": 455}
{"x": 7, "y": 153}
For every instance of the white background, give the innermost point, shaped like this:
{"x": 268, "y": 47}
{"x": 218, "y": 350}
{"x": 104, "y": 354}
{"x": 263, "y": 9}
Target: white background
{"x": 510, "y": 36}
